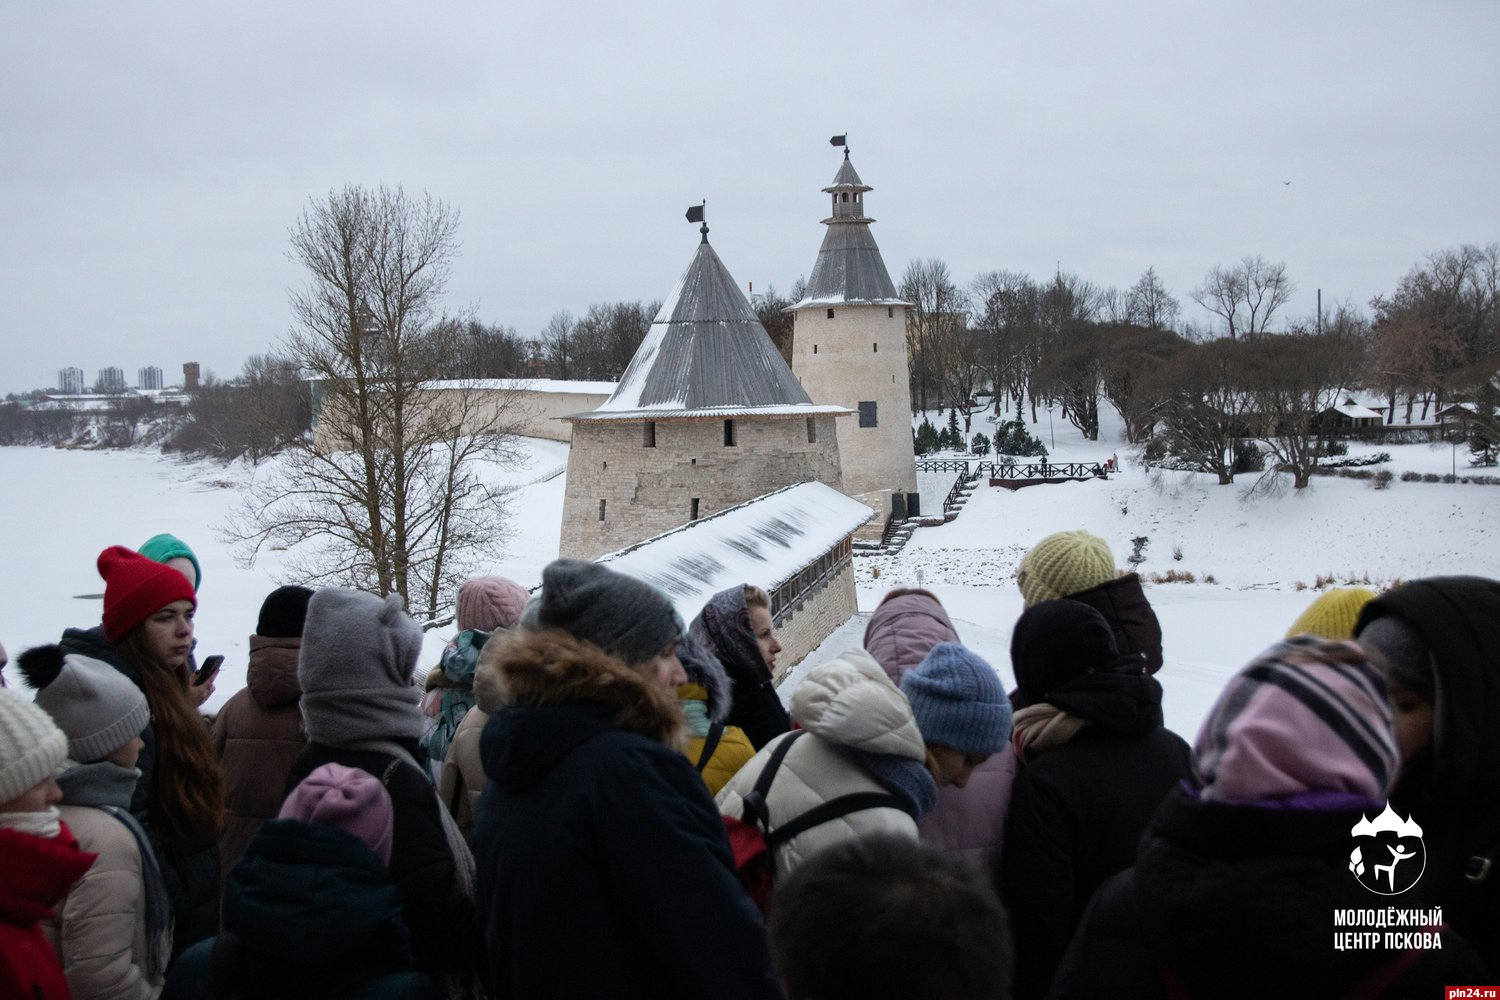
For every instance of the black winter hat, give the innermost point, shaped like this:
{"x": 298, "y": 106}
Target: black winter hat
{"x": 284, "y": 613}
{"x": 621, "y": 615}
{"x": 1057, "y": 641}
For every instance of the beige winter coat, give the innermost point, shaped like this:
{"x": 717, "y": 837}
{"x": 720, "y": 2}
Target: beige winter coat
{"x": 100, "y": 931}
{"x": 847, "y": 701}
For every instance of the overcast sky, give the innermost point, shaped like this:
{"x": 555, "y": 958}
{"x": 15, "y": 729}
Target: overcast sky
{"x": 153, "y": 155}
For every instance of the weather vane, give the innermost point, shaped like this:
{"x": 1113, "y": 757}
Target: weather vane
{"x": 695, "y": 214}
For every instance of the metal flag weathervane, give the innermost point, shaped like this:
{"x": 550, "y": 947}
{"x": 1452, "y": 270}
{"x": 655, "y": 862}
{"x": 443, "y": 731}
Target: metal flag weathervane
{"x": 695, "y": 214}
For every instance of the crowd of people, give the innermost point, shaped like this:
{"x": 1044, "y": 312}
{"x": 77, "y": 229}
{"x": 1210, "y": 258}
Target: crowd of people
{"x": 587, "y": 796}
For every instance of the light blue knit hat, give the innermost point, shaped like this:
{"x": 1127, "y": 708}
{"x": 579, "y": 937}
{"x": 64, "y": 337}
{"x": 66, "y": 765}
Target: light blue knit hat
{"x": 958, "y": 701}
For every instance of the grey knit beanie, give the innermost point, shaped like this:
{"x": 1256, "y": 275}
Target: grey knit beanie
{"x": 98, "y": 707}
{"x": 1408, "y": 659}
{"x": 355, "y": 668}
{"x": 958, "y": 701}
{"x": 621, "y": 615}
{"x": 31, "y": 746}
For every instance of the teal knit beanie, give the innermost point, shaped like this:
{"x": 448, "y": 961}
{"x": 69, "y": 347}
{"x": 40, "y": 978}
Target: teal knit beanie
{"x": 161, "y": 548}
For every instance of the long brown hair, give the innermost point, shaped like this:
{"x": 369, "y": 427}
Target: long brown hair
{"x": 187, "y": 786}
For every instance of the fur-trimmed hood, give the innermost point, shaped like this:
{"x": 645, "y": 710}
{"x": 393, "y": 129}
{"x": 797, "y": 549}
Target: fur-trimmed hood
{"x": 555, "y": 692}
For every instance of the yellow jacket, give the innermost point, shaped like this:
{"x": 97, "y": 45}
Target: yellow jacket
{"x": 732, "y": 753}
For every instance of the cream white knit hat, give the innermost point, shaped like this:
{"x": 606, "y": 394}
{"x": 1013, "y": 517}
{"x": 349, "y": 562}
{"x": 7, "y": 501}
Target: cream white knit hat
{"x": 31, "y": 746}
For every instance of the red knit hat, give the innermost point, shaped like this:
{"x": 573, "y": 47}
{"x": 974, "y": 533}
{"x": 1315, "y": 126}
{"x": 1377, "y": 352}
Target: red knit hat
{"x": 135, "y": 588}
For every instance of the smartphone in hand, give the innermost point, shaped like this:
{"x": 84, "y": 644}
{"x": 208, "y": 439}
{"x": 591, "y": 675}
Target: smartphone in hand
{"x": 207, "y": 670}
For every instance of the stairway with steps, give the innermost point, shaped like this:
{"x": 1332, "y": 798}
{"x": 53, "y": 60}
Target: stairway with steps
{"x": 898, "y": 533}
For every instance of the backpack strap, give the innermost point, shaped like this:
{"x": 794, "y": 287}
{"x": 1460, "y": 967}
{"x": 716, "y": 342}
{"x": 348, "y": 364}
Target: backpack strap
{"x": 710, "y": 744}
{"x": 834, "y": 809}
{"x": 756, "y": 810}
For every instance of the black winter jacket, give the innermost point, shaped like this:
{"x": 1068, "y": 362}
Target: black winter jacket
{"x": 1122, "y": 602}
{"x": 604, "y": 869}
{"x": 309, "y": 911}
{"x": 441, "y": 917}
{"x": 1077, "y": 812}
{"x": 1237, "y": 901}
{"x": 1453, "y": 792}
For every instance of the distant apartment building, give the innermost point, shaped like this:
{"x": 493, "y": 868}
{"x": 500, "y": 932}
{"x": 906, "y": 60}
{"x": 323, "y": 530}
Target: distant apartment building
{"x": 190, "y": 375}
{"x": 70, "y": 381}
{"x": 110, "y": 380}
{"x": 149, "y": 378}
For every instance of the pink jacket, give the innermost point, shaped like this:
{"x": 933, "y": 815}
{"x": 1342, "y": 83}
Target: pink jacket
{"x": 967, "y": 822}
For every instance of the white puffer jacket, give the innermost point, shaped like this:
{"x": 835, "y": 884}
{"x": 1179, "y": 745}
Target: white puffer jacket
{"x": 847, "y": 701}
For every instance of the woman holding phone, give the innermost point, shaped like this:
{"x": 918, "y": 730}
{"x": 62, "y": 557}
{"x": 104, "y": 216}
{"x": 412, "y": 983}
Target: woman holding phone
{"x": 148, "y": 622}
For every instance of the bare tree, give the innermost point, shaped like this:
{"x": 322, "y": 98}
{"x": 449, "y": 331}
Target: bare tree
{"x": 961, "y": 355}
{"x": 1149, "y": 304}
{"x": 1443, "y": 316}
{"x": 771, "y": 308}
{"x": 1245, "y": 295}
{"x": 1070, "y": 373}
{"x": 1066, "y": 306}
{"x": 489, "y": 351}
{"x": 1292, "y": 380}
{"x": 1010, "y": 331}
{"x": 385, "y": 495}
{"x": 935, "y": 303}
{"x": 558, "y": 345}
{"x": 1127, "y": 359}
{"x": 1202, "y": 413}
{"x": 1113, "y": 305}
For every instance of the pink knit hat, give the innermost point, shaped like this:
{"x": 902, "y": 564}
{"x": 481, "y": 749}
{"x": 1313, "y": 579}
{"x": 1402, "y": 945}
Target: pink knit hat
{"x": 488, "y": 603}
{"x": 1307, "y": 715}
{"x": 346, "y": 798}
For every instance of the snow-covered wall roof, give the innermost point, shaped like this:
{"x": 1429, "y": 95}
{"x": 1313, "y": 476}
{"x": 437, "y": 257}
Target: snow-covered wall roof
{"x": 667, "y": 413}
{"x": 526, "y": 384}
{"x": 765, "y": 541}
{"x": 1356, "y": 412}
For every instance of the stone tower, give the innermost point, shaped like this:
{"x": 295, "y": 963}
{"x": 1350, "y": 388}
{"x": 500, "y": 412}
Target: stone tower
{"x": 849, "y": 350}
{"x": 707, "y": 416}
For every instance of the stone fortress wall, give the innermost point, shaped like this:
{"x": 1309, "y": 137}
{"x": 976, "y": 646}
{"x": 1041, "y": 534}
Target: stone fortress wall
{"x": 646, "y": 489}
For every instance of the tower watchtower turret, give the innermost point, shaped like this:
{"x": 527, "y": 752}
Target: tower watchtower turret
{"x": 849, "y": 349}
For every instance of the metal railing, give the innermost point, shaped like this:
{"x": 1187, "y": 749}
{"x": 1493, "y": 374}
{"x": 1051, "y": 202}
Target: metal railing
{"x": 1045, "y": 470}
{"x": 944, "y": 465}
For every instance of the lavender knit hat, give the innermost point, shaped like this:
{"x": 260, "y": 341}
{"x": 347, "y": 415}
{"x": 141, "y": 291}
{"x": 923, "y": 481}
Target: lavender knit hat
{"x": 1307, "y": 715}
{"x": 958, "y": 701}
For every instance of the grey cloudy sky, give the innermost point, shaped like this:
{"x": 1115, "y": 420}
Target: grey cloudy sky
{"x": 153, "y": 155}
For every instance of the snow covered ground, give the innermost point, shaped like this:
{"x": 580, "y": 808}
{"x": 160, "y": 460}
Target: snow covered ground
{"x": 62, "y": 507}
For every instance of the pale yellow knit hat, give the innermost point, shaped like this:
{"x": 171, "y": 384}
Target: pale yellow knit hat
{"x": 1332, "y": 615}
{"x": 1068, "y": 562}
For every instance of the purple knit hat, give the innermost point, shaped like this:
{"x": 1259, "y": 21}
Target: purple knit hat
{"x": 1307, "y": 715}
{"x": 488, "y": 603}
{"x": 346, "y": 798}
